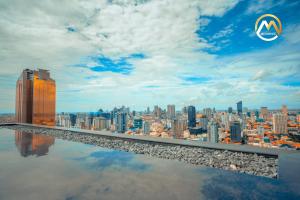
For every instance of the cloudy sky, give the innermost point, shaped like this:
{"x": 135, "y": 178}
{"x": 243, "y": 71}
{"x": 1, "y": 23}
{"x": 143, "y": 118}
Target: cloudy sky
{"x": 139, "y": 53}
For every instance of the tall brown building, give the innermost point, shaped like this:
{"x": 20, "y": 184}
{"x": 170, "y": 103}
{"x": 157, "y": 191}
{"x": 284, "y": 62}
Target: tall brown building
{"x": 35, "y": 98}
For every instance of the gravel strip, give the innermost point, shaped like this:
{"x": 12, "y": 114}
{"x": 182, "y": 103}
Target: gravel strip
{"x": 241, "y": 162}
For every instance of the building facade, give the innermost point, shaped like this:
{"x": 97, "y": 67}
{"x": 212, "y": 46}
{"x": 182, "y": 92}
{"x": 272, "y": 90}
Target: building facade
{"x": 191, "y": 116}
{"x": 229, "y": 109}
{"x": 137, "y": 123}
{"x": 101, "y": 123}
{"x": 213, "y": 135}
{"x": 264, "y": 113}
{"x": 208, "y": 112}
{"x": 157, "y": 111}
{"x": 146, "y": 127}
{"x": 203, "y": 122}
{"x": 177, "y": 127}
{"x": 239, "y": 108}
{"x": 171, "y": 111}
{"x": 35, "y": 98}
{"x": 280, "y": 123}
{"x": 121, "y": 122}
{"x": 235, "y": 131}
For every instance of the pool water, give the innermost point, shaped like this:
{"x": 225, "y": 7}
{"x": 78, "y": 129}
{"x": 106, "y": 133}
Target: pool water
{"x": 35, "y": 166}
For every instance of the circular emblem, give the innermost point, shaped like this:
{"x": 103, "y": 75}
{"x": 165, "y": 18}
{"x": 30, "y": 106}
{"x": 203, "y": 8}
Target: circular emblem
{"x": 268, "y": 27}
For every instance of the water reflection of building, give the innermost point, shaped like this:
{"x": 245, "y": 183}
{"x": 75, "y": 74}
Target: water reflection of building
{"x": 33, "y": 144}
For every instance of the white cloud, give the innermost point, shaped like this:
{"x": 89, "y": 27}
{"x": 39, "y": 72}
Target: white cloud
{"x": 263, "y": 5}
{"x": 223, "y": 33}
{"x": 291, "y": 33}
{"x": 261, "y": 75}
{"x": 163, "y": 30}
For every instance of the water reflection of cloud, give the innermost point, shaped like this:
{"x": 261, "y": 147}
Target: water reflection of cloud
{"x": 231, "y": 185}
{"x": 56, "y": 176}
{"x": 6, "y": 140}
{"x": 105, "y": 159}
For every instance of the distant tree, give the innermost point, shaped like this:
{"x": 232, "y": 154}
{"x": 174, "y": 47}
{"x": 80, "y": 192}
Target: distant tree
{"x": 244, "y": 140}
{"x": 100, "y": 110}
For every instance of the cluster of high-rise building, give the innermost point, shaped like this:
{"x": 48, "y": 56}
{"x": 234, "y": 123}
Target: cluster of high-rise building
{"x": 35, "y": 103}
{"x": 266, "y": 128}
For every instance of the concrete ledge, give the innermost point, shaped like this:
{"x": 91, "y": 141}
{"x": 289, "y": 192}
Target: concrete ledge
{"x": 8, "y": 124}
{"x": 229, "y": 147}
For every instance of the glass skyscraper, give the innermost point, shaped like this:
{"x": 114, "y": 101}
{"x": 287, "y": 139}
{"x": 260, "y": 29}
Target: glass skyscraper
{"x": 239, "y": 106}
{"x": 191, "y": 116}
{"x": 35, "y": 98}
{"x": 121, "y": 122}
{"x": 235, "y": 131}
{"x": 138, "y": 123}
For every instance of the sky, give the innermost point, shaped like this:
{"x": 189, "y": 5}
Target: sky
{"x": 139, "y": 53}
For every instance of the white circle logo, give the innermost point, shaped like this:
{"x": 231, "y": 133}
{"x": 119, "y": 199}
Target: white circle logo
{"x": 268, "y": 34}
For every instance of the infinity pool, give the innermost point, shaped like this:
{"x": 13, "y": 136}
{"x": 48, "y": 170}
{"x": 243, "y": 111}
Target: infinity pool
{"x": 35, "y": 166}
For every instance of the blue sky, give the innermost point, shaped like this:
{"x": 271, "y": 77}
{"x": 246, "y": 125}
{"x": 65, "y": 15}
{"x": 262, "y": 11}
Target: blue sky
{"x": 104, "y": 54}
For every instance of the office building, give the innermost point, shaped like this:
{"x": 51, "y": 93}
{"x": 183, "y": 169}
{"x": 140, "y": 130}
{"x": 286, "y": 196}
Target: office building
{"x": 72, "y": 119}
{"x": 177, "y": 127}
{"x": 171, "y": 111}
{"x": 133, "y": 113}
{"x": 121, "y": 122}
{"x": 235, "y": 131}
{"x": 213, "y": 135}
{"x": 146, "y": 127}
{"x": 203, "y": 121}
{"x": 256, "y": 113}
{"x": 35, "y": 98}
{"x": 137, "y": 123}
{"x": 184, "y": 110}
{"x": 64, "y": 120}
{"x": 157, "y": 111}
{"x": 225, "y": 120}
{"x": 89, "y": 121}
{"x": 260, "y": 130}
{"x": 101, "y": 123}
{"x": 191, "y": 116}
{"x": 208, "y": 112}
{"x": 229, "y": 109}
{"x": 248, "y": 114}
{"x": 280, "y": 123}
{"x": 264, "y": 113}
{"x": 239, "y": 106}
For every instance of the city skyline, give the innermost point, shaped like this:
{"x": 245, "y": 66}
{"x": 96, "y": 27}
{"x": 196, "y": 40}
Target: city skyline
{"x": 149, "y": 99}
{"x": 264, "y": 127}
{"x": 104, "y": 54}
